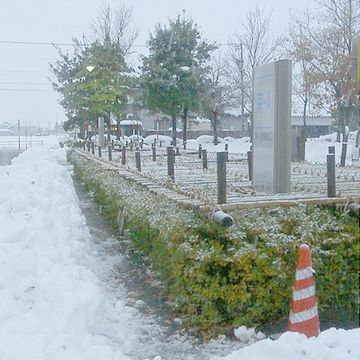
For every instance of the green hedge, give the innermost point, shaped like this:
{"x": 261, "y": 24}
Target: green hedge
{"x": 217, "y": 278}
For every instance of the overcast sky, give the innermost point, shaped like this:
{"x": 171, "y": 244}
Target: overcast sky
{"x": 25, "y": 91}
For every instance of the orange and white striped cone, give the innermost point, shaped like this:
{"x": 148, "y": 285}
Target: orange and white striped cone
{"x": 304, "y": 316}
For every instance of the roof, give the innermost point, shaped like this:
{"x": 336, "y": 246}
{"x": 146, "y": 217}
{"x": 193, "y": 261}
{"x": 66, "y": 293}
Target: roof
{"x": 312, "y": 120}
{"x": 131, "y": 122}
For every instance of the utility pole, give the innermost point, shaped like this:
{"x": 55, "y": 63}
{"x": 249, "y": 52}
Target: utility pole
{"x": 242, "y": 80}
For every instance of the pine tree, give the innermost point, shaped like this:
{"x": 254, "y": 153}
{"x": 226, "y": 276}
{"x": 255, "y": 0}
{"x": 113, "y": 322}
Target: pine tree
{"x": 173, "y": 71}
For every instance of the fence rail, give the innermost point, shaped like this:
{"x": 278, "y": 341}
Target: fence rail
{"x": 22, "y": 143}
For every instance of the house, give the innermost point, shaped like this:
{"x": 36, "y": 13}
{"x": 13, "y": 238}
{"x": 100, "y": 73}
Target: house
{"x": 315, "y": 125}
{"x": 5, "y": 129}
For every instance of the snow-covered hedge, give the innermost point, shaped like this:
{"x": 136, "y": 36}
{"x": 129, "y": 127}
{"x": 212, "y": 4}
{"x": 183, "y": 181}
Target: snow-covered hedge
{"x": 217, "y": 278}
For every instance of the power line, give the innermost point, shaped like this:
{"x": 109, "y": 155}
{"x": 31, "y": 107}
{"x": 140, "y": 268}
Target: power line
{"x": 41, "y": 43}
{"x": 23, "y": 83}
{"x": 44, "y": 43}
{"x": 32, "y": 90}
{"x": 34, "y": 43}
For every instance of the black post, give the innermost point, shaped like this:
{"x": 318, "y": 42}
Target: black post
{"x": 88, "y": 146}
{"x": 302, "y": 144}
{"x": 112, "y": 145}
{"x": 137, "y": 159}
{"x": 221, "y": 177}
{"x": 204, "y": 159}
{"x": 227, "y": 151}
{"x": 123, "y": 155}
{"x": 93, "y": 148}
{"x": 199, "y": 151}
{"x": 153, "y": 153}
{"x": 343, "y": 154}
{"x": 171, "y": 162}
{"x": 99, "y": 151}
{"x": 249, "y": 159}
{"x": 110, "y": 152}
{"x": 330, "y": 159}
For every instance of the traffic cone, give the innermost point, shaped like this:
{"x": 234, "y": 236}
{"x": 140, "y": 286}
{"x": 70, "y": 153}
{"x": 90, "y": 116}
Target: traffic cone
{"x": 304, "y": 316}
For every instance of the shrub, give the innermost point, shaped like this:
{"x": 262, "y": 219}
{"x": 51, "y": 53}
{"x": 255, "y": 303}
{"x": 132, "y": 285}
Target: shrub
{"x": 220, "y": 278}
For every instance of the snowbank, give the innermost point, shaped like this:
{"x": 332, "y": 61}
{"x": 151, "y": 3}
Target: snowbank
{"x": 52, "y": 305}
{"x": 329, "y": 345}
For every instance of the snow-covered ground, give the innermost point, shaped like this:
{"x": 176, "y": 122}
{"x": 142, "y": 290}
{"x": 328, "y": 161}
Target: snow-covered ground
{"x": 55, "y": 302}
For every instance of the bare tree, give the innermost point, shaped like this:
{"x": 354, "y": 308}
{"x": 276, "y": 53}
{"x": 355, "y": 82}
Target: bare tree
{"x": 327, "y": 36}
{"x": 115, "y": 26}
{"x": 219, "y": 95}
{"x": 250, "y": 48}
{"x": 305, "y": 80}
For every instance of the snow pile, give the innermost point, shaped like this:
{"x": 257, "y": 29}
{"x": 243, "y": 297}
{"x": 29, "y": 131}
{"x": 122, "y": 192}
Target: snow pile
{"x": 316, "y": 149}
{"x": 52, "y": 305}
{"x": 165, "y": 140}
{"x": 248, "y": 336}
{"x": 330, "y": 344}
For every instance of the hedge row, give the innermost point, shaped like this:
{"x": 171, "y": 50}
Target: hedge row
{"x": 218, "y": 279}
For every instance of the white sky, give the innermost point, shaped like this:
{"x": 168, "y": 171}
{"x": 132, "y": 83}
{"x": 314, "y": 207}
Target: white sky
{"x": 25, "y": 92}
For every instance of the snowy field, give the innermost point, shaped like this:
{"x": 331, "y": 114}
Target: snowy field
{"x": 56, "y": 299}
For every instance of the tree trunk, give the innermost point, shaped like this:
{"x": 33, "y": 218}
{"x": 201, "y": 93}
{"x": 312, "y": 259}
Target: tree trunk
{"x": 184, "y": 118}
{"x": 118, "y": 133}
{"x": 340, "y": 120}
{"x": 108, "y": 128}
{"x": 304, "y": 118}
{"x": 215, "y": 116}
{"x": 173, "y": 119}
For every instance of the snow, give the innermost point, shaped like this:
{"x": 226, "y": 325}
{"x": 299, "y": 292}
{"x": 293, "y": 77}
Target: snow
{"x": 54, "y": 304}
{"x": 330, "y": 344}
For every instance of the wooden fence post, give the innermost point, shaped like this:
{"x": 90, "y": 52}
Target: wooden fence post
{"x": 110, "y": 152}
{"x": 123, "y": 155}
{"x": 249, "y": 159}
{"x": 343, "y": 154}
{"x": 171, "y": 162}
{"x": 204, "y": 159}
{"x": 221, "y": 176}
{"x": 93, "y": 148}
{"x": 153, "y": 153}
{"x": 137, "y": 159}
{"x": 199, "y": 151}
{"x": 99, "y": 151}
{"x": 330, "y": 160}
{"x": 227, "y": 151}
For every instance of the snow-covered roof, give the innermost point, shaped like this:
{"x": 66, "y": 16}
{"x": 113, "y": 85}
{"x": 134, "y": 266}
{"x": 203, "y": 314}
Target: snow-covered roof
{"x": 131, "y": 122}
{"x": 312, "y": 120}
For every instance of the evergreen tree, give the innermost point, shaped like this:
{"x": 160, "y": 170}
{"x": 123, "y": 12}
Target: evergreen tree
{"x": 173, "y": 71}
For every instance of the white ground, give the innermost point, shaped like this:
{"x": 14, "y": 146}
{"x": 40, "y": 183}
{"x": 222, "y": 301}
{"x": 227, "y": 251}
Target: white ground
{"x": 54, "y": 302}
